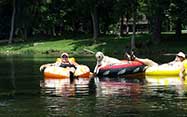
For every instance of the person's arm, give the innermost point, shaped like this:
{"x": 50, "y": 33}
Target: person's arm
{"x": 42, "y": 67}
{"x": 75, "y": 63}
{"x": 57, "y": 64}
{"x": 173, "y": 62}
{"x": 181, "y": 73}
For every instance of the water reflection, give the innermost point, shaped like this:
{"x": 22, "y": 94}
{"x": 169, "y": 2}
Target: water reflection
{"x": 95, "y": 86}
{"x": 145, "y": 96}
{"x": 7, "y": 79}
{"x": 126, "y": 87}
{"x": 166, "y": 86}
{"x": 165, "y": 80}
{"x": 119, "y": 86}
{"x": 63, "y": 87}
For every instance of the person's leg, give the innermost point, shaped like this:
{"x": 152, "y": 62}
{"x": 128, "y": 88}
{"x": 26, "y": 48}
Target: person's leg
{"x": 146, "y": 61}
{"x": 72, "y": 74}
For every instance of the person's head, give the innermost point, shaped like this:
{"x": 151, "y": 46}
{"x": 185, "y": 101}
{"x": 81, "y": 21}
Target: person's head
{"x": 64, "y": 56}
{"x": 181, "y": 56}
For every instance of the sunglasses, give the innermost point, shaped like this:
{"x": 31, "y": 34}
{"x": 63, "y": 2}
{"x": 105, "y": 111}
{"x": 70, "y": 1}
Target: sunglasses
{"x": 179, "y": 56}
{"x": 64, "y": 56}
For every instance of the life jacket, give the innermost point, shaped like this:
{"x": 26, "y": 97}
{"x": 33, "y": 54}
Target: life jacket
{"x": 64, "y": 65}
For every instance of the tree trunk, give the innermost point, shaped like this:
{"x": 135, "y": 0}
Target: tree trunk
{"x": 61, "y": 29}
{"x": 54, "y": 31}
{"x": 12, "y": 22}
{"x": 170, "y": 25}
{"x": 24, "y": 34}
{"x": 127, "y": 26}
{"x": 12, "y": 72}
{"x": 134, "y": 31}
{"x": 76, "y": 26}
{"x": 106, "y": 24}
{"x": 121, "y": 25}
{"x": 178, "y": 29}
{"x": 156, "y": 35}
{"x": 95, "y": 23}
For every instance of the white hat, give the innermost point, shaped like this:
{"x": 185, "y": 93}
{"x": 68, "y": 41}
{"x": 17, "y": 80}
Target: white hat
{"x": 64, "y": 54}
{"x": 181, "y": 54}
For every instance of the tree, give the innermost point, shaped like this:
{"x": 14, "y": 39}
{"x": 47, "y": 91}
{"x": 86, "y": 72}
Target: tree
{"x": 23, "y": 19}
{"x": 12, "y": 21}
{"x": 124, "y": 10}
{"x": 93, "y": 6}
{"x": 106, "y": 15}
{"x": 88, "y": 7}
{"x": 134, "y": 26}
{"x": 178, "y": 12}
{"x": 154, "y": 10}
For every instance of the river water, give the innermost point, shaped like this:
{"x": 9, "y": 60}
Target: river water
{"x": 25, "y": 93}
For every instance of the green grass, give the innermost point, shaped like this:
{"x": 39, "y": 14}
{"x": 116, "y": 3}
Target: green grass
{"x": 40, "y": 47}
{"x": 110, "y": 45}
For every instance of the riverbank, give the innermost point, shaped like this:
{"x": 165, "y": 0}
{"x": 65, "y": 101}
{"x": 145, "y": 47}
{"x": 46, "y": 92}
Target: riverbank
{"x": 85, "y": 46}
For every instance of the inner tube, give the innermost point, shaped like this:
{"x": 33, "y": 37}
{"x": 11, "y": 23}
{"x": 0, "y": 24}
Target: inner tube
{"x": 126, "y": 68}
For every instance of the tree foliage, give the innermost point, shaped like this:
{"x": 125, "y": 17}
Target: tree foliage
{"x": 95, "y": 17}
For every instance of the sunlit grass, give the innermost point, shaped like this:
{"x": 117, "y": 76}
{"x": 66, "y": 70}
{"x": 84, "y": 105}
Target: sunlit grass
{"x": 111, "y": 45}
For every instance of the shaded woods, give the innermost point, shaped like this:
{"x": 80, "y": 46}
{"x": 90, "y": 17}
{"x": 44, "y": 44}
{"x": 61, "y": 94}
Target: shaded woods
{"x": 27, "y": 19}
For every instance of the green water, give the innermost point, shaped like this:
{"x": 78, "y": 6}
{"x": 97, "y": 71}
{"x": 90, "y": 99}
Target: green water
{"x": 25, "y": 93}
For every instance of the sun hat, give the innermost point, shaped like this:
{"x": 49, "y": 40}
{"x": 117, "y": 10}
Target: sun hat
{"x": 64, "y": 54}
{"x": 181, "y": 54}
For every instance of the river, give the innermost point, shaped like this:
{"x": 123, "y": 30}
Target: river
{"x": 25, "y": 93}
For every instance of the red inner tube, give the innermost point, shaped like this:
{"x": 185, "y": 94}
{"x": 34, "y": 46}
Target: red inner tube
{"x": 126, "y": 64}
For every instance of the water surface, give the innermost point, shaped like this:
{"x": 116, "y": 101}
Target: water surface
{"x": 24, "y": 92}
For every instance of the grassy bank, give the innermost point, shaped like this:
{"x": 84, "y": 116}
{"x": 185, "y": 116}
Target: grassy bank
{"x": 110, "y": 45}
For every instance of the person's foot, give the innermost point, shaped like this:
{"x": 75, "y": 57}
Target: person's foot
{"x": 133, "y": 57}
{"x": 128, "y": 56}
